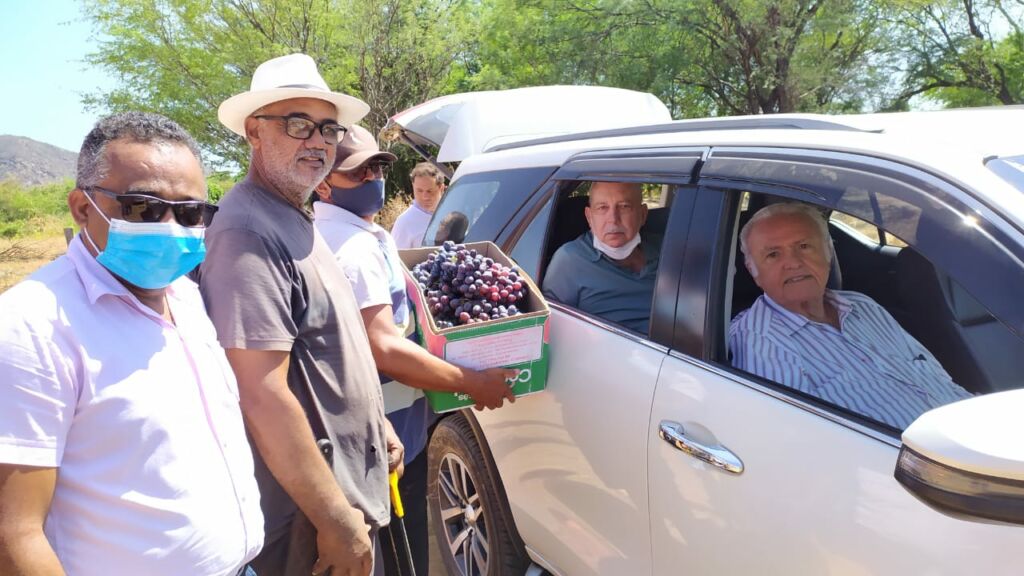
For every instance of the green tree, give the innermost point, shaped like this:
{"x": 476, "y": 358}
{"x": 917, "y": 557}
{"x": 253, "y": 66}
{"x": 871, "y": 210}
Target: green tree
{"x": 963, "y": 52}
{"x": 182, "y": 58}
{"x": 404, "y": 51}
{"x": 756, "y": 57}
{"x": 699, "y": 56}
{"x": 535, "y": 42}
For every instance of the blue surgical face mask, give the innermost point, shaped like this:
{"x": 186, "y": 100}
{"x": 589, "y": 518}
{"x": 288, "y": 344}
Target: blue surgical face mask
{"x": 364, "y": 200}
{"x": 149, "y": 255}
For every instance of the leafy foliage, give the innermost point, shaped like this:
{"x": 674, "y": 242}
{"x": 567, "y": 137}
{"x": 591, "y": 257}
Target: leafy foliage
{"x": 701, "y": 57}
{"x": 182, "y": 58}
{"x": 33, "y": 211}
{"x": 217, "y": 184}
{"x": 963, "y": 52}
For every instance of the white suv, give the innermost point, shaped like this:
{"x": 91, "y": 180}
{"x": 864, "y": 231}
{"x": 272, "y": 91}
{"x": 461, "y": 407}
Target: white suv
{"x": 649, "y": 453}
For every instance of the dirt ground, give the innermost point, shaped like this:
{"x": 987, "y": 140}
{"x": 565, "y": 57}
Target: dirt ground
{"x": 21, "y": 257}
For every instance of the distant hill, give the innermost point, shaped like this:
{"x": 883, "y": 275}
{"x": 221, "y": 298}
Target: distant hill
{"x": 30, "y": 162}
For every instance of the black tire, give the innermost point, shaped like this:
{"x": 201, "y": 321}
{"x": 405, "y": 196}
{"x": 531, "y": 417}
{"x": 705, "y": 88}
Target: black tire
{"x": 482, "y": 533}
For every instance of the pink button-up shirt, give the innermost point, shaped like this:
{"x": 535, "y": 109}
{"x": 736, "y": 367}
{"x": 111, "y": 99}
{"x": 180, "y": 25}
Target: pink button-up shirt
{"x": 141, "y": 417}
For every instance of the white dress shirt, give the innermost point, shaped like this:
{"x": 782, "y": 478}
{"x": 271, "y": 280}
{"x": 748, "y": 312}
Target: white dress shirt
{"x": 141, "y": 418}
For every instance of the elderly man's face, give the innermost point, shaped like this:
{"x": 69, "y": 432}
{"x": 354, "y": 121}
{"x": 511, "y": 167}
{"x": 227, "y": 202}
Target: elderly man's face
{"x": 293, "y": 166}
{"x": 427, "y": 192}
{"x": 616, "y": 212}
{"x": 791, "y": 259}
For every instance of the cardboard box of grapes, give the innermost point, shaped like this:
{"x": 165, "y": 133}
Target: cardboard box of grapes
{"x": 514, "y": 333}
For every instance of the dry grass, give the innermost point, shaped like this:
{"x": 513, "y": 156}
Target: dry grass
{"x": 23, "y": 256}
{"x": 391, "y": 211}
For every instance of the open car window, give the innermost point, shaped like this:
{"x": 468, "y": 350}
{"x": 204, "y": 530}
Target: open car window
{"x": 577, "y": 274}
{"x": 940, "y": 330}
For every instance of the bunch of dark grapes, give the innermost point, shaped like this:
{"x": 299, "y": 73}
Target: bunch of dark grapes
{"x": 463, "y": 287}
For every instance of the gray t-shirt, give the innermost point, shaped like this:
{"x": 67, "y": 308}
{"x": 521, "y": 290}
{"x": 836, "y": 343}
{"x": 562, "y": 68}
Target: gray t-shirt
{"x": 271, "y": 283}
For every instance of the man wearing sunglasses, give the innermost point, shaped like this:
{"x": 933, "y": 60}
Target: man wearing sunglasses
{"x": 349, "y": 198}
{"x": 287, "y": 317}
{"x": 122, "y": 446}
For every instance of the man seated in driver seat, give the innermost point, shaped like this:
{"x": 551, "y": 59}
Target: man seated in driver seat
{"x": 608, "y": 271}
{"x": 839, "y": 346}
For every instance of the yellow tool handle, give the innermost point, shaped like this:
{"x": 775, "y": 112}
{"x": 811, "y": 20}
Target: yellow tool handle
{"x": 396, "y": 498}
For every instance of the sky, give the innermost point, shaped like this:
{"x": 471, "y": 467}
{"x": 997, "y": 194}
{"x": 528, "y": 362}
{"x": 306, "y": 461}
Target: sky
{"x": 42, "y": 47}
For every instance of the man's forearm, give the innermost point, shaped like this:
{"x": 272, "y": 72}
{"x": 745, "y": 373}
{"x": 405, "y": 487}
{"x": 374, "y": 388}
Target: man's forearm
{"x": 410, "y": 364}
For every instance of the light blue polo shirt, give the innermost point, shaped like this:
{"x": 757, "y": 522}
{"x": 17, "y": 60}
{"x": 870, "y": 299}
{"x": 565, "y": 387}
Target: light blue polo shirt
{"x": 581, "y": 276}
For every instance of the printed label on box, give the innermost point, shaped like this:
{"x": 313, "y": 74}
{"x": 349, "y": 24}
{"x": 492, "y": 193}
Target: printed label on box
{"x": 501, "y": 349}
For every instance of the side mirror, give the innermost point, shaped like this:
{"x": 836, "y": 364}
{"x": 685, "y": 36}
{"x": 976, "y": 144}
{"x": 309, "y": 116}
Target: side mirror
{"x": 966, "y": 459}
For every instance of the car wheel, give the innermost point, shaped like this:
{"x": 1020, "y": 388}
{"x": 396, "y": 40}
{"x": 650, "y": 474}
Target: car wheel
{"x": 473, "y": 527}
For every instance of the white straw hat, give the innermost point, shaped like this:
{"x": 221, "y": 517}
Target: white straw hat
{"x": 284, "y": 78}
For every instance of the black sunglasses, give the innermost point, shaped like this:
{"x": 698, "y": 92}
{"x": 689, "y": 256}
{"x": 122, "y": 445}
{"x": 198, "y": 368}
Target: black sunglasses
{"x": 138, "y": 207}
{"x": 358, "y": 174}
{"x": 302, "y": 128}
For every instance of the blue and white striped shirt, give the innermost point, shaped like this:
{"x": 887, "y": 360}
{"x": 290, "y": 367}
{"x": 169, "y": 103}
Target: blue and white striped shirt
{"x": 870, "y": 366}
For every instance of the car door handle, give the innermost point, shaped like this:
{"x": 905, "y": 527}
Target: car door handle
{"x": 718, "y": 456}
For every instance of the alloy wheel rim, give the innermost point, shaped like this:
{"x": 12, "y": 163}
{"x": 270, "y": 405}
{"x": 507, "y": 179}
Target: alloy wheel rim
{"x": 462, "y": 515}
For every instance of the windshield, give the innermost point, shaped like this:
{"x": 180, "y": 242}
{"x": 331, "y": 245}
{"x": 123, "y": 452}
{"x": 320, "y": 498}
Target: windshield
{"x": 477, "y": 206}
{"x": 1009, "y": 168}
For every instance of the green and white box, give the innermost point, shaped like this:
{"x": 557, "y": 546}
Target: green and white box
{"x": 520, "y": 341}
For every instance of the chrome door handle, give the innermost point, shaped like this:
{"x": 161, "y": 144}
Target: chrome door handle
{"x": 718, "y": 456}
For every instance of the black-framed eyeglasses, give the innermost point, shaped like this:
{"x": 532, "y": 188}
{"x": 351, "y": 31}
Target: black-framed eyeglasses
{"x": 378, "y": 168}
{"x": 302, "y": 128}
{"x": 141, "y": 207}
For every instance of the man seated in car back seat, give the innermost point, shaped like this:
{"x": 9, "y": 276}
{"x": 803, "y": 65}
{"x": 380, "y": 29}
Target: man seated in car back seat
{"x": 839, "y": 346}
{"x": 608, "y": 271}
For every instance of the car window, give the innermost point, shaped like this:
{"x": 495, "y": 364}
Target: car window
{"x": 477, "y": 206}
{"x": 911, "y": 336}
{"x": 528, "y": 249}
{"x": 578, "y": 274}
{"x": 858, "y": 226}
{"x": 974, "y": 244}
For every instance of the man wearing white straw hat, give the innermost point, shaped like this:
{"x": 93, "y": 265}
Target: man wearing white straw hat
{"x": 287, "y": 317}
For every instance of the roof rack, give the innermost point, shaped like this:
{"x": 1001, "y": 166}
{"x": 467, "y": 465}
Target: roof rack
{"x": 725, "y": 123}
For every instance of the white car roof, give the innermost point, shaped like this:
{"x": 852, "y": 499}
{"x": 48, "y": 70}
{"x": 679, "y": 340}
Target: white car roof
{"x": 990, "y": 131}
{"x": 463, "y": 125}
{"x": 545, "y": 125}
{"x": 952, "y": 143}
